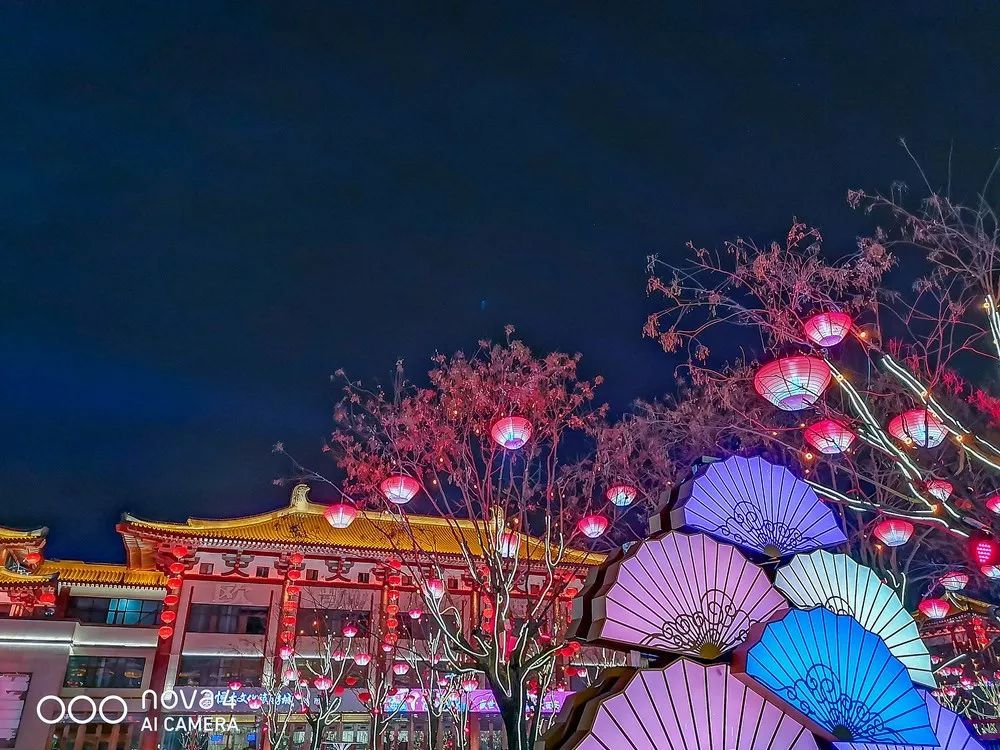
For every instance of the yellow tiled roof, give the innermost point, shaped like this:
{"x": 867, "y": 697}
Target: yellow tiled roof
{"x": 9, "y": 577}
{"x": 18, "y": 535}
{"x": 302, "y": 523}
{"x": 105, "y": 574}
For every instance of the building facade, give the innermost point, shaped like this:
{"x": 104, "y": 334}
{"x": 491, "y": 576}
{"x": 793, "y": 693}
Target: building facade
{"x": 177, "y": 648}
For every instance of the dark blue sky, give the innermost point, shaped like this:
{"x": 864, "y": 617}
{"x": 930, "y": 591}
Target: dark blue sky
{"x": 206, "y": 208}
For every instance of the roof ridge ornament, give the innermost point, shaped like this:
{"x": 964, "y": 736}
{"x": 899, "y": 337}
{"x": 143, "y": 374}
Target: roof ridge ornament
{"x": 300, "y": 496}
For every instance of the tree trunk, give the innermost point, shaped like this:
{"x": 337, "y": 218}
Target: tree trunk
{"x": 376, "y": 740}
{"x": 316, "y": 733}
{"x": 433, "y": 724}
{"x": 515, "y": 720}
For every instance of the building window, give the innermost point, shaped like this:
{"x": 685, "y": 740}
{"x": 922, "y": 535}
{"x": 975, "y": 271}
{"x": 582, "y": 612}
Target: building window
{"x": 312, "y": 574}
{"x": 206, "y": 569}
{"x": 227, "y": 618}
{"x": 331, "y": 622}
{"x": 104, "y": 672}
{"x": 364, "y": 577}
{"x": 216, "y": 671}
{"x": 96, "y": 610}
{"x": 263, "y": 572}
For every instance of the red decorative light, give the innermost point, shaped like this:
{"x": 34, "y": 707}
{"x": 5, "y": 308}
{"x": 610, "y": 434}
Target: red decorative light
{"x": 954, "y": 581}
{"x": 296, "y": 558}
{"x": 340, "y": 515}
{"x": 571, "y": 592}
{"x": 350, "y": 680}
{"x": 387, "y": 647}
{"x": 939, "y": 489}
{"x": 285, "y": 652}
{"x": 294, "y": 574}
{"x": 235, "y": 685}
{"x": 392, "y": 623}
{"x": 622, "y": 495}
{"x": 508, "y": 543}
{"x": 350, "y": 630}
{"x": 171, "y": 600}
{"x": 174, "y": 582}
{"x": 894, "y": 531}
{"x": 469, "y": 684}
{"x": 511, "y": 432}
{"x": 180, "y": 551}
{"x": 323, "y": 683}
{"x": 364, "y": 696}
{"x": 828, "y": 328}
{"x": 338, "y": 691}
{"x": 922, "y": 427}
{"x": 399, "y": 488}
{"x": 293, "y": 590}
{"x": 165, "y": 631}
{"x": 934, "y": 609}
{"x": 828, "y": 436}
{"x": 593, "y": 525}
{"x": 254, "y": 703}
{"x": 47, "y": 598}
{"x": 32, "y": 559}
{"x": 288, "y": 674}
{"x": 400, "y": 668}
{"x": 435, "y": 587}
{"x": 394, "y": 580}
{"x": 792, "y": 383}
{"x": 984, "y": 550}
{"x": 177, "y": 568}
{"x": 168, "y": 616}
{"x": 361, "y": 659}
{"x": 993, "y": 503}
{"x": 338, "y": 654}
{"x": 288, "y": 620}
{"x": 991, "y": 571}
{"x": 416, "y": 613}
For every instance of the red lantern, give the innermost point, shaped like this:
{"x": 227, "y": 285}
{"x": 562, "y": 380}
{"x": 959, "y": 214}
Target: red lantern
{"x": 415, "y": 613}
{"x": 593, "y": 525}
{"x": 168, "y": 616}
{"x": 323, "y": 683}
{"x": 338, "y": 691}
{"x": 288, "y": 636}
{"x": 435, "y": 587}
{"x": 47, "y": 598}
{"x": 293, "y": 590}
{"x": 622, "y": 495}
{"x": 362, "y": 659}
{"x": 934, "y": 609}
{"x": 254, "y": 703}
{"x": 177, "y": 568}
{"x": 294, "y": 574}
{"x": 350, "y": 630}
{"x": 338, "y": 654}
{"x": 173, "y": 583}
{"x": 571, "y": 592}
{"x": 939, "y": 489}
{"x": 392, "y": 623}
{"x": 296, "y": 558}
{"x": 993, "y": 503}
{"x": 165, "y": 631}
{"x": 469, "y": 684}
{"x": 180, "y": 551}
{"x": 511, "y": 432}
{"x": 394, "y": 580}
{"x": 235, "y": 685}
{"x": 400, "y": 668}
{"x": 792, "y": 383}
{"x": 285, "y": 652}
{"x": 954, "y": 581}
{"x": 894, "y": 531}
{"x": 350, "y": 680}
{"x": 399, "y": 488}
{"x": 364, "y": 696}
{"x": 32, "y": 559}
{"x": 392, "y": 609}
{"x": 340, "y": 515}
{"x": 921, "y": 427}
{"x": 508, "y": 544}
{"x": 828, "y": 436}
{"x": 171, "y": 600}
{"x": 984, "y": 550}
{"x": 828, "y": 328}
{"x": 288, "y": 620}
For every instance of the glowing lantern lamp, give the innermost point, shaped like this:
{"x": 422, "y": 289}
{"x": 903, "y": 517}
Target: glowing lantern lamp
{"x": 180, "y": 551}
{"x": 622, "y": 495}
{"x": 350, "y": 630}
{"x": 511, "y": 432}
{"x": 829, "y": 436}
{"x": 939, "y": 489}
{"x": 508, "y": 544}
{"x": 165, "y": 632}
{"x": 954, "y": 581}
{"x": 323, "y": 683}
{"x": 254, "y": 703}
{"x": 46, "y": 598}
{"x": 173, "y": 583}
{"x": 285, "y": 652}
{"x": 400, "y": 668}
{"x": 362, "y": 659}
{"x": 934, "y": 609}
{"x": 289, "y": 674}
{"x": 894, "y": 532}
{"x": 991, "y": 571}
{"x": 170, "y": 600}
{"x": 32, "y": 559}
{"x": 177, "y": 568}
{"x": 435, "y": 587}
{"x": 235, "y": 685}
{"x": 340, "y": 515}
{"x": 399, "y": 489}
{"x": 792, "y": 383}
{"x": 593, "y": 525}
{"x": 922, "y": 427}
{"x": 415, "y": 613}
{"x": 828, "y": 328}
{"x": 168, "y": 616}
{"x": 993, "y": 503}
{"x": 469, "y": 684}
{"x": 984, "y": 550}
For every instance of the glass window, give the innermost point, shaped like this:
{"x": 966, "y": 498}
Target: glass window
{"x": 97, "y": 610}
{"x": 227, "y": 618}
{"x": 217, "y": 671}
{"x": 324, "y": 622}
{"x": 104, "y": 671}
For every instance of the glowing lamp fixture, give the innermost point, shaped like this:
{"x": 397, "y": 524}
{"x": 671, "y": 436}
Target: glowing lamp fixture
{"x": 340, "y": 515}
{"x": 792, "y": 383}
{"x": 177, "y": 568}
{"x": 171, "y": 600}
{"x": 400, "y": 668}
{"x": 180, "y": 551}
{"x": 165, "y": 631}
{"x": 289, "y": 674}
{"x": 362, "y": 659}
{"x": 399, "y": 489}
{"x": 993, "y": 503}
{"x": 285, "y": 652}
{"x": 46, "y": 598}
{"x": 922, "y": 427}
{"x": 469, "y": 684}
{"x": 894, "y": 531}
{"x": 991, "y": 571}
{"x": 508, "y": 543}
{"x": 32, "y": 559}
{"x": 954, "y": 581}
{"x": 622, "y": 495}
{"x": 173, "y": 583}
{"x": 337, "y": 654}
{"x": 829, "y": 436}
{"x": 828, "y": 328}
{"x": 939, "y": 489}
{"x": 934, "y": 609}
{"x": 350, "y": 630}
{"x": 416, "y": 613}
{"x": 168, "y": 616}
{"x": 435, "y": 587}
{"x": 323, "y": 683}
{"x": 511, "y": 432}
{"x": 593, "y": 525}
{"x": 254, "y": 703}
{"x": 984, "y": 550}
{"x": 235, "y": 685}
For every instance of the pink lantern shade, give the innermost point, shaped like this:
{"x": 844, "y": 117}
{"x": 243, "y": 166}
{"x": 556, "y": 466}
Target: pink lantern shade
{"x": 934, "y": 609}
{"x": 399, "y": 488}
{"x": 991, "y": 571}
{"x": 508, "y": 543}
{"x": 893, "y": 531}
{"x": 922, "y": 427}
{"x": 511, "y": 432}
{"x": 469, "y": 684}
{"x": 362, "y": 658}
{"x": 793, "y": 383}
{"x": 828, "y": 328}
{"x": 340, "y": 515}
{"x": 400, "y": 668}
{"x": 254, "y": 703}
{"x": 416, "y": 613}
{"x": 954, "y": 581}
{"x": 593, "y": 526}
{"x": 993, "y": 503}
{"x": 435, "y": 587}
{"x": 235, "y": 685}
{"x": 622, "y": 495}
{"x": 285, "y": 652}
{"x": 939, "y": 489}
{"x": 350, "y": 630}
{"x": 323, "y": 683}
{"x": 829, "y": 436}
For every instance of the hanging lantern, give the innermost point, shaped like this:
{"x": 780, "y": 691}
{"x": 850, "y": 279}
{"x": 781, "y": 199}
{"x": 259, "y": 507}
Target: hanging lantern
{"x": 511, "y": 432}
{"x": 364, "y": 696}
{"x": 235, "y": 685}
{"x": 435, "y": 587}
{"x": 394, "y": 580}
{"x": 350, "y": 630}
{"x": 165, "y": 631}
{"x": 894, "y": 531}
{"x": 338, "y": 691}
{"x": 180, "y": 551}
{"x": 293, "y": 590}
{"x": 984, "y": 550}
{"x": 340, "y": 515}
{"x": 792, "y": 383}
{"x": 829, "y": 436}
{"x": 392, "y": 623}
{"x": 47, "y": 598}
{"x": 991, "y": 571}
{"x": 254, "y": 703}
{"x": 168, "y": 616}
{"x": 174, "y": 583}
{"x": 288, "y": 620}
{"x": 593, "y": 525}
{"x": 32, "y": 559}
{"x": 828, "y": 328}
{"x": 285, "y": 652}
{"x": 954, "y": 581}
{"x": 399, "y": 488}
{"x": 469, "y": 684}
{"x": 939, "y": 489}
{"x": 362, "y": 659}
{"x": 337, "y": 654}
{"x": 387, "y": 647}
{"x": 177, "y": 568}
{"x": 296, "y": 558}
{"x": 508, "y": 543}
{"x": 934, "y": 609}
{"x": 171, "y": 600}
{"x": 288, "y": 674}
{"x": 921, "y": 427}
{"x": 993, "y": 503}
{"x": 400, "y": 668}
{"x": 294, "y": 574}
{"x": 350, "y": 680}
{"x": 416, "y": 613}
{"x": 323, "y": 683}
{"x": 571, "y": 592}
{"x": 621, "y": 495}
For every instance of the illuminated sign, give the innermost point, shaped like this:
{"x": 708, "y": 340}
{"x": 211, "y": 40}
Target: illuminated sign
{"x": 13, "y": 691}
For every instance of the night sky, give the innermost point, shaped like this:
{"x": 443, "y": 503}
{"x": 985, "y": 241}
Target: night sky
{"x": 206, "y": 208}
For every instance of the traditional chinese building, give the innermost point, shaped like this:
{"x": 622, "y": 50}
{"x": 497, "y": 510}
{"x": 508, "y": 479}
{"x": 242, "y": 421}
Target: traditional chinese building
{"x": 205, "y": 605}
